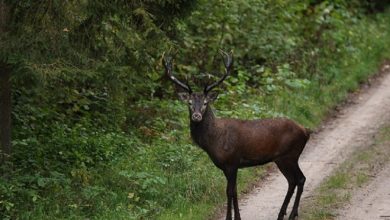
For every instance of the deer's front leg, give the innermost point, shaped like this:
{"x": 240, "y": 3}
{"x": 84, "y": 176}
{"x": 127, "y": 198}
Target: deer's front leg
{"x": 231, "y": 193}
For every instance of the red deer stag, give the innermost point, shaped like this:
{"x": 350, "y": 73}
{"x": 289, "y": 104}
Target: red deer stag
{"x": 233, "y": 143}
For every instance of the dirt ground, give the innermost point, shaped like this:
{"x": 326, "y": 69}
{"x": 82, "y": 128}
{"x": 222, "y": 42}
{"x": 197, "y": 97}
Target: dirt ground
{"x": 353, "y": 125}
{"x": 372, "y": 201}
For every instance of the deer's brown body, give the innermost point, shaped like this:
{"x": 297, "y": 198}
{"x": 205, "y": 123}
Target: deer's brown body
{"x": 245, "y": 143}
{"x": 233, "y": 143}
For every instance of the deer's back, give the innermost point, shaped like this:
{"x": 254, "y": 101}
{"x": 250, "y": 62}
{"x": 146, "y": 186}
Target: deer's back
{"x": 254, "y": 142}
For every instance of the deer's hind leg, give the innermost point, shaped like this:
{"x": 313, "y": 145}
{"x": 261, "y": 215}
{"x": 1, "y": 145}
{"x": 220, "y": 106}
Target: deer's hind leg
{"x": 295, "y": 178}
{"x": 286, "y": 168}
{"x": 300, "y": 178}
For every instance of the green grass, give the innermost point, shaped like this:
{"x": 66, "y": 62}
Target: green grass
{"x": 355, "y": 172}
{"x": 185, "y": 209}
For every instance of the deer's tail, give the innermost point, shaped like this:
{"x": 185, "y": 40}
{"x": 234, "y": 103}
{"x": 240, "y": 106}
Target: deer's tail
{"x": 308, "y": 131}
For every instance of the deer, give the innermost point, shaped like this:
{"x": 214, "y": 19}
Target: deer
{"x": 233, "y": 144}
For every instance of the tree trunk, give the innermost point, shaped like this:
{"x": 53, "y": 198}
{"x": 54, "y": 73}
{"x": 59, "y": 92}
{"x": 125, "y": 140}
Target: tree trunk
{"x": 5, "y": 92}
{"x": 5, "y": 112}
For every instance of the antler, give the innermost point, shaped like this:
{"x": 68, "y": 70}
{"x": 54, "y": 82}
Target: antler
{"x": 228, "y": 62}
{"x": 167, "y": 62}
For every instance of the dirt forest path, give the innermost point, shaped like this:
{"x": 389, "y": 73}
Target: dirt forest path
{"x": 371, "y": 202}
{"x": 354, "y": 125}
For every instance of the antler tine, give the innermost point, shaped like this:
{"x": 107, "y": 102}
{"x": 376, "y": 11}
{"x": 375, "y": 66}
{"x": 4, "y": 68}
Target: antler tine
{"x": 228, "y": 62}
{"x": 167, "y": 62}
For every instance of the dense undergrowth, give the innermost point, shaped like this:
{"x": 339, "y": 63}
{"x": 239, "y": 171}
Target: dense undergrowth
{"x": 105, "y": 137}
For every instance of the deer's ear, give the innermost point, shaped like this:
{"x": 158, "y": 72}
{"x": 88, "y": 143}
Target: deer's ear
{"x": 184, "y": 96}
{"x": 212, "y": 96}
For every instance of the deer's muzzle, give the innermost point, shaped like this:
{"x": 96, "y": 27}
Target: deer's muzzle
{"x": 197, "y": 117}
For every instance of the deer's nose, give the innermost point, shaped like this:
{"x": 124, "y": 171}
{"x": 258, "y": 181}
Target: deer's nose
{"x": 196, "y": 117}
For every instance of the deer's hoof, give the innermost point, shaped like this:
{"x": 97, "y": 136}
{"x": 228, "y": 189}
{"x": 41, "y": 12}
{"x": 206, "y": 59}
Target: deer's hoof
{"x": 293, "y": 216}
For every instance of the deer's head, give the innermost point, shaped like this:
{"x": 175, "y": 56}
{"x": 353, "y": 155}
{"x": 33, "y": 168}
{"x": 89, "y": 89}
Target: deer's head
{"x": 198, "y": 101}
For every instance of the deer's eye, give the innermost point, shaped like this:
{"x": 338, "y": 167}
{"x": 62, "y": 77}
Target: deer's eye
{"x": 190, "y": 102}
{"x": 205, "y": 103}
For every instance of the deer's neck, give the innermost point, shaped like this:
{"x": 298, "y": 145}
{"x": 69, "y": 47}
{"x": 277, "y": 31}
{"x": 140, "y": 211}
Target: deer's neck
{"x": 204, "y": 132}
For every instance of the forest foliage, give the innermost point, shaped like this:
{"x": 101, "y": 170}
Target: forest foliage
{"x": 97, "y": 131}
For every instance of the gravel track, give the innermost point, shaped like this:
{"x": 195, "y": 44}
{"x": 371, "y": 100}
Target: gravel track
{"x": 372, "y": 201}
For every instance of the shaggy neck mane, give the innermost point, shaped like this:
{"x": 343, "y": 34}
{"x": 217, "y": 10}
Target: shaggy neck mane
{"x": 203, "y": 133}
